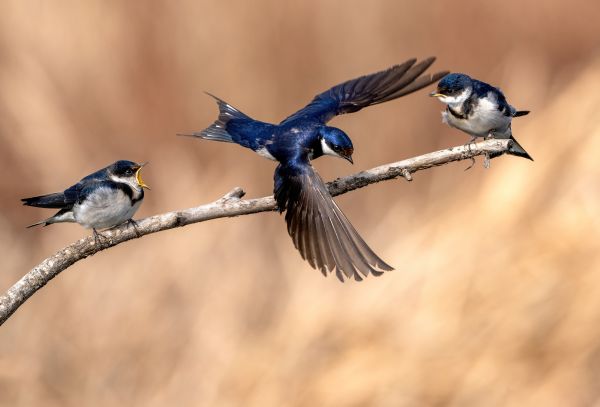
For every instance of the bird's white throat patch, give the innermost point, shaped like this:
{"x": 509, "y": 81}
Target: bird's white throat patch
{"x": 457, "y": 101}
{"x": 131, "y": 181}
{"x": 328, "y": 150}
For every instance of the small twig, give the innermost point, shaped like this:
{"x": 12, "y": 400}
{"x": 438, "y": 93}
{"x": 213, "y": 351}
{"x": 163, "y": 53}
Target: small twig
{"x": 229, "y": 205}
{"x": 406, "y": 174}
{"x": 486, "y": 161}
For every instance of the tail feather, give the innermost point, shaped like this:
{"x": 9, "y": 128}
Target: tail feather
{"x": 516, "y": 149}
{"x": 64, "y": 215}
{"x": 218, "y": 130}
{"x": 56, "y": 200}
{"x": 43, "y": 223}
{"x": 521, "y": 113}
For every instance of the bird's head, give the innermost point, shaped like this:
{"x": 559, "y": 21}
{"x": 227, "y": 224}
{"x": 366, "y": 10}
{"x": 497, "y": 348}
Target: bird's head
{"x": 454, "y": 88}
{"x": 336, "y": 143}
{"x": 127, "y": 172}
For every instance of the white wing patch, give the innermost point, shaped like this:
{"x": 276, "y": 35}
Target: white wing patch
{"x": 263, "y": 152}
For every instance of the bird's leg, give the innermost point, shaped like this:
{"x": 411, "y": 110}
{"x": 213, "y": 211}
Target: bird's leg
{"x": 468, "y": 145}
{"x": 471, "y": 141}
{"x": 129, "y": 222}
{"x": 134, "y": 224}
{"x": 490, "y": 134}
{"x": 98, "y": 238}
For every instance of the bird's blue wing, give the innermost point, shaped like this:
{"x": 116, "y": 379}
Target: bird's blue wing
{"x": 95, "y": 176}
{"x": 68, "y": 197}
{"x": 62, "y": 200}
{"x": 483, "y": 89}
{"x": 355, "y": 94}
{"x": 320, "y": 230}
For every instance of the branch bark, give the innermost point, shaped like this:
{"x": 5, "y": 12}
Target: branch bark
{"x": 228, "y": 206}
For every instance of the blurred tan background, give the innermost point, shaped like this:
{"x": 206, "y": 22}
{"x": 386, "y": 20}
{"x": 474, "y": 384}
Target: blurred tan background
{"x": 496, "y": 296}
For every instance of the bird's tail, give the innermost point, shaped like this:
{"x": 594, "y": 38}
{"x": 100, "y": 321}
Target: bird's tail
{"x": 64, "y": 215}
{"x": 218, "y": 130}
{"x": 57, "y": 200}
{"x": 46, "y": 201}
{"x": 43, "y": 223}
{"x": 516, "y": 149}
{"x": 521, "y": 113}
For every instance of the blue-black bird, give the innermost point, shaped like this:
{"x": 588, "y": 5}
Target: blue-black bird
{"x": 104, "y": 199}
{"x": 478, "y": 109}
{"x": 319, "y": 229}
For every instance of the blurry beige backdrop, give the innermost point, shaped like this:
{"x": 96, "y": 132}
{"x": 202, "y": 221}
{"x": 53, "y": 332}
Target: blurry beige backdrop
{"x": 496, "y": 296}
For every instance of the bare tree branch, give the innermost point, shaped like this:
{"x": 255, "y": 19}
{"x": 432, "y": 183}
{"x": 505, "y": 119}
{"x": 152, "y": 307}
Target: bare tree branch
{"x": 228, "y": 206}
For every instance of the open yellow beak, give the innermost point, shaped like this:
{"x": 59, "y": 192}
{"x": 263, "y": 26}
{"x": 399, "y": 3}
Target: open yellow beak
{"x": 138, "y": 177}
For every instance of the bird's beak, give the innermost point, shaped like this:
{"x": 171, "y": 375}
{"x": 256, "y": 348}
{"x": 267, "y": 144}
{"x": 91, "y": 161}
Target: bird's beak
{"x": 347, "y": 154}
{"x": 435, "y": 95}
{"x": 138, "y": 176}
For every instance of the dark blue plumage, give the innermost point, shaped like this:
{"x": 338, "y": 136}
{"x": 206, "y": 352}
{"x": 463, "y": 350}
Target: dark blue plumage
{"x": 478, "y": 109}
{"x": 319, "y": 229}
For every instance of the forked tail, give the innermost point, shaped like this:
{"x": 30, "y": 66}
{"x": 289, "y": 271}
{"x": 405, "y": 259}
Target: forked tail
{"x": 218, "y": 130}
{"x": 516, "y": 149}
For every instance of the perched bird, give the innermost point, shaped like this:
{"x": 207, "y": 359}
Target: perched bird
{"x": 478, "y": 109}
{"x": 104, "y": 199}
{"x": 319, "y": 229}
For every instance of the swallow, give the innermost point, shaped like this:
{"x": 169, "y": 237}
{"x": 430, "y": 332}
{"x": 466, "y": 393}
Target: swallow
{"x": 319, "y": 229}
{"x": 478, "y": 109}
{"x": 104, "y": 199}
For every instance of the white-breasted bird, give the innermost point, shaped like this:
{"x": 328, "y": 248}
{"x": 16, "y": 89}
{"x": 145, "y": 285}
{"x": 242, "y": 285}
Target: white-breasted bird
{"x": 478, "y": 109}
{"x": 104, "y": 199}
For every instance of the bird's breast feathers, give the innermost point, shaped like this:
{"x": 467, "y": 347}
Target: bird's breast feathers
{"x": 105, "y": 207}
{"x": 483, "y": 118}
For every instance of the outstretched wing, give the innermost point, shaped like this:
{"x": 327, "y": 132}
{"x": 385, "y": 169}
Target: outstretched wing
{"x": 355, "y": 94}
{"x": 320, "y": 231}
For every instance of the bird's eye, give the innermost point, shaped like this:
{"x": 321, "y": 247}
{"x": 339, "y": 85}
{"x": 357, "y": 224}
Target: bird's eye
{"x": 129, "y": 172}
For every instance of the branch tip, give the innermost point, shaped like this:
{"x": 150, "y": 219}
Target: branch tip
{"x": 406, "y": 174}
{"x": 235, "y": 193}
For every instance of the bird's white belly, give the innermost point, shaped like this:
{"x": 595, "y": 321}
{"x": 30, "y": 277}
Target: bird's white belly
{"x": 481, "y": 122}
{"x": 106, "y": 208}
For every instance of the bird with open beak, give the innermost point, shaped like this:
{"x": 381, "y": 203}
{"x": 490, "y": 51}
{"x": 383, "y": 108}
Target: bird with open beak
{"x": 104, "y": 199}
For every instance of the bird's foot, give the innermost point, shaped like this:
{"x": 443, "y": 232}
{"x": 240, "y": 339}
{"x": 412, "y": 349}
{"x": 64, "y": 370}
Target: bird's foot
{"x": 472, "y": 163}
{"x": 469, "y": 149}
{"x": 99, "y": 238}
{"x": 468, "y": 143}
{"x": 134, "y": 224}
{"x": 490, "y": 135}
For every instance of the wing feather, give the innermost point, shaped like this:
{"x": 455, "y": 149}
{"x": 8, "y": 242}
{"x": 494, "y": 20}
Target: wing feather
{"x": 356, "y": 94}
{"x": 319, "y": 229}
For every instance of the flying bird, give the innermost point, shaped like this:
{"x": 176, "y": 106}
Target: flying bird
{"x": 104, "y": 199}
{"x": 319, "y": 229}
{"x": 478, "y": 109}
